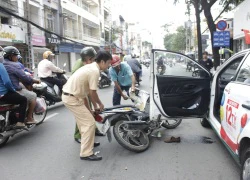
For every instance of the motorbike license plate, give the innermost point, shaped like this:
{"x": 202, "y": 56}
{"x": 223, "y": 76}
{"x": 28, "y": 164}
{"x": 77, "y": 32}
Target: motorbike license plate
{"x": 105, "y": 127}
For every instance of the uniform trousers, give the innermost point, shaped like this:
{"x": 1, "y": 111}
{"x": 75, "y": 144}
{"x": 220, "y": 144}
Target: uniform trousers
{"x": 85, "y": 122}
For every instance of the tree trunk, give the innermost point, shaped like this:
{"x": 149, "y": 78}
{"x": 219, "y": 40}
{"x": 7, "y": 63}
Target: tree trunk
{"x": 212, "y": 28}
{"x": 198, "y": 26}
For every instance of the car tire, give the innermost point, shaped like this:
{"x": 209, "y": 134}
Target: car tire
{"x": 205, "y": 123}
{"x": 245, "y": 164}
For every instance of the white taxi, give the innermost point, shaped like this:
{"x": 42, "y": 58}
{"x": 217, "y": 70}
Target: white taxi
{"x": 221, "y": 100}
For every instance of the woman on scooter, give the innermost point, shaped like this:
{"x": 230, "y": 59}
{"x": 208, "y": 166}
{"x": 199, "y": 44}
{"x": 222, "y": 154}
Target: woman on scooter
{"x": 9, "y": 95}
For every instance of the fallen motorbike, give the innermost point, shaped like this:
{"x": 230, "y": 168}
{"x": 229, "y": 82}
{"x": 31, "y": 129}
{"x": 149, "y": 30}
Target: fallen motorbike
{"x": 131, "y": 123}
{"x": 9, "y": 114}
{"x": 104, "y": 79}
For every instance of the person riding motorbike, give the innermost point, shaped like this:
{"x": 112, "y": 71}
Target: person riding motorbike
{"x": 136, "y": 67}
{"x": 160, "y": 64}
{"x": 19, "y": 57}
{"x": 9, "y": 95}
{"x": 17, "y": 75}
{"x": 46, "y": 68}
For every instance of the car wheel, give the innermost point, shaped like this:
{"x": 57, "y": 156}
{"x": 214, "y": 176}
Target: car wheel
{"x": 245, "y": 164}
{"x": 205, "y": 123}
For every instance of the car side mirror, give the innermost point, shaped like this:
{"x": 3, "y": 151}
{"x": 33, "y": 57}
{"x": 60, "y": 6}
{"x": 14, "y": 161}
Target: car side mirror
{"x": 231, "y": 78}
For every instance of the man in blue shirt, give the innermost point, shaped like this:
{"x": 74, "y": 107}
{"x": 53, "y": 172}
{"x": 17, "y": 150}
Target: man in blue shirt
{"x": 9, "y": 95}
{"x": 16, "y": 75}
{"x": 122, "y": 76}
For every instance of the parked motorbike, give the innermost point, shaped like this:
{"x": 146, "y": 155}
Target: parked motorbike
{"x": 104, "y": 79}
{"x": 52, "y": 95}
{"x": 9, "y": 114}
{"x": 131, "y": 123}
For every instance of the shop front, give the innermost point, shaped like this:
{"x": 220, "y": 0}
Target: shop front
{"x": 68, "y": 53}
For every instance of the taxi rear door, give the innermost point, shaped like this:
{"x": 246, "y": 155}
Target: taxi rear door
{"x": 235, "y": 108}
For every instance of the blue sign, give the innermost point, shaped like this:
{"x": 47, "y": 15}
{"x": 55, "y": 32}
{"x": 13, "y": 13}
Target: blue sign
{"x": 221, "y": 25}
{"x": 221, "y": 38}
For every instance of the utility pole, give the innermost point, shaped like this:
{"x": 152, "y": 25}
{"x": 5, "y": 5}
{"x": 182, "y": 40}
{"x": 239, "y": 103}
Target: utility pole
{"x": 110, "y": 39}
{"x": 29, "y": 38}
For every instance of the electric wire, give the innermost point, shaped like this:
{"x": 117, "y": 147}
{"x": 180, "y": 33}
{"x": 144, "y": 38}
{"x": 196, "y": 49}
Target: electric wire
{"x": 43, "y": 17}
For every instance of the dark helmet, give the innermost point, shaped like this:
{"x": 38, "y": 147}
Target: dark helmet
{"x": 10, "y": 50}
{"x": 87, "y": 52}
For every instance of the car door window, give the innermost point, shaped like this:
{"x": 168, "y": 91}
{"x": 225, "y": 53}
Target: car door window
{"x": 229, "y": 72}
{"x": 172, "y": 64}
{"x": 181, "y": 85}
{"x": 244, "y": 72}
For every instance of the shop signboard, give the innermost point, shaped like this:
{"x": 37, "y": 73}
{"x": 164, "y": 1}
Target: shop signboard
{"x": 52, "y": 38}
{"x": 38, "y": 40}
{"x": 13, "y": 34}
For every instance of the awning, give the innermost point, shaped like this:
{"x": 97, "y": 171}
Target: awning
{"x": 40, "y": 50}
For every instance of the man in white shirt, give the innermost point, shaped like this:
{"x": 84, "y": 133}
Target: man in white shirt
{"x": 46, "y": 68}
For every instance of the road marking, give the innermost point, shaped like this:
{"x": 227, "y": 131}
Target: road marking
{"x": 50, "y": 116}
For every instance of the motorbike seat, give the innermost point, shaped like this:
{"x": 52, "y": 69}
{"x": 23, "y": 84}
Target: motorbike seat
{"x": 6, "y": 107}
{"x": 118, "y": 106}
{"x": 49, "y": 84}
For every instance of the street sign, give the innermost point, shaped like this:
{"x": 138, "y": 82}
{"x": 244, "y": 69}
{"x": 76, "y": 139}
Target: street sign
{"x": 221, "y": 39}
{"x": 221, "y": 25}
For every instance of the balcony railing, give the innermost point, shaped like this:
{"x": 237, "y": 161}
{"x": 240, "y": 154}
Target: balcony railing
{"x": 93, "y": 39}
{"x": 70, "y": 34}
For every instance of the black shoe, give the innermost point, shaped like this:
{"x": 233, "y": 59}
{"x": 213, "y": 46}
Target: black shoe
{"x": 92, "y": 158}
{"x": 97, "y": 133}
{"x": 96, "y": 144}
{"x": 78, "y": 140}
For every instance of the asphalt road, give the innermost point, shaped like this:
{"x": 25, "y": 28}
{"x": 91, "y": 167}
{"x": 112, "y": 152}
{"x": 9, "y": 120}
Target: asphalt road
{"x": 49, "y": 152}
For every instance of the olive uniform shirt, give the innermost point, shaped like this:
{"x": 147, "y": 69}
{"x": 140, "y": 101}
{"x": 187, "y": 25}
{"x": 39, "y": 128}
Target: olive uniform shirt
{"x": 77, "y": 65}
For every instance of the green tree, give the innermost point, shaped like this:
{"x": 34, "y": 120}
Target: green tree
{"x": 174, "y": 41}
{"x": 206, "y": 6}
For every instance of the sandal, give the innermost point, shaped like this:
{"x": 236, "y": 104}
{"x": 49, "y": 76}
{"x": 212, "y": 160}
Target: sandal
{"x": 172, "y": 139}
{"x": 19, "y": 125}
{"x": 31, "y": 122}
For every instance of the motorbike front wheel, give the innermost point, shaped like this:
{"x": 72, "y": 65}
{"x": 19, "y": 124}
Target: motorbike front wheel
{"x": 132, "y": 140}
{"x": 171, "y": 123}
{"x": 40, "y": 116}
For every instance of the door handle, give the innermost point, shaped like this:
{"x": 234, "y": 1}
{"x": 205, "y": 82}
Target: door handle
{"x": 246, "y": 106}
{"x": 189, "y": 86}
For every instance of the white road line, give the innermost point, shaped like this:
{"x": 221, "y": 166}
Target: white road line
{"x": 50, "y": 116}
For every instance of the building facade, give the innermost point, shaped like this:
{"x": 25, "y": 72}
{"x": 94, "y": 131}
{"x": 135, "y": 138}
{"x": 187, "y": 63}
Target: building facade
{"x": 241, "y": 21}
{"x": 62, "y": 26}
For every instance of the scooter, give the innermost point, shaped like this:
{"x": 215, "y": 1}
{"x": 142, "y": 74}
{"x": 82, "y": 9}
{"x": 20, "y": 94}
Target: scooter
{"x": 131, "y": 123}
{"x": 9, "y": 114}
{"x": 104, "y": 79}
{"x": 51, "y": 95}
{"x": 161, "y": 69}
